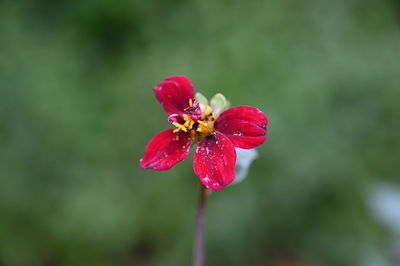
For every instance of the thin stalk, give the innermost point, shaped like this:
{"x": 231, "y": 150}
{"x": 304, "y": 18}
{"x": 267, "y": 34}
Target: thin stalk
{"x": 198, "y": 248}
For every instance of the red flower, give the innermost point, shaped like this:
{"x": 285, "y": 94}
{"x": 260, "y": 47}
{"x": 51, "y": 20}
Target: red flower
{"x": 214, "y": 160}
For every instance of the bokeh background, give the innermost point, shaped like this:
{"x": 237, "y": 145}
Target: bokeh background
{"x": 77, "y": 109}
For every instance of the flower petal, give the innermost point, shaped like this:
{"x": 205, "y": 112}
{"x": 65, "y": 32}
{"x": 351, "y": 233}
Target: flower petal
{"x": 245, "y": 126}
{"x": 174, "y": 93}
{"x": 214, "y": 161}
{"x": 166, "y": 149}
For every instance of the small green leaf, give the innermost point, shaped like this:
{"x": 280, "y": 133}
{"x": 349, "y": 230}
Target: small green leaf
{"x": 219, "y": 104}
{"x": 201, "y": 98}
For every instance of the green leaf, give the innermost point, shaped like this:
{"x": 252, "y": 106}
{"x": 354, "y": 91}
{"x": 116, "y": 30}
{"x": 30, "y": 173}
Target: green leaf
{"x": 219, "y": 104}
{"x": 201, "y": 98}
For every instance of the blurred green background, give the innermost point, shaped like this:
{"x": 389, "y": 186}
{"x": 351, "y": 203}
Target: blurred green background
{"x": 77, "y": 109}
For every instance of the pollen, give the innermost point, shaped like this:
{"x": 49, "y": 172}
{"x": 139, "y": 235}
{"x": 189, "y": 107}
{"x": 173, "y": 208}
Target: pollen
{"x": 188, "y": 121}
{"x": 179, "y": 127}
{"x": 198, "y": 129}
{"x": 206, "y": 110}
{"x": 203, "y": 126}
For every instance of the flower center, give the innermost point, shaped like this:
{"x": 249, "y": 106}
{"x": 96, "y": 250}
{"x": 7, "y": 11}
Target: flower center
{"x": 198, "y": 121}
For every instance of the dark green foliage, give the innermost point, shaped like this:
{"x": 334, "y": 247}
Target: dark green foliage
{"x": 77, "y": 107}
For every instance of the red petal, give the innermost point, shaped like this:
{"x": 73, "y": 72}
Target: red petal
{"x": 166, "y": 149}
{"x": 174, "y": 93}
{"x": 214, "y": 161}
{"x": 245, "y": 126}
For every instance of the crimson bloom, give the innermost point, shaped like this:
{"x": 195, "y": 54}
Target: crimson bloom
{"x": 215, "y": 156}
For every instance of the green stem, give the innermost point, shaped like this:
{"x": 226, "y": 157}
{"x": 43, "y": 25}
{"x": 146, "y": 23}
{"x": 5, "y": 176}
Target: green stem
{"x": 198, "y": 249}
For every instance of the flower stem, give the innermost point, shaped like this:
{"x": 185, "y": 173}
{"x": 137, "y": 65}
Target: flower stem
{"x": 198, "y": 249}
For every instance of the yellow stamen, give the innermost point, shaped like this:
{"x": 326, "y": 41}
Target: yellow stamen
{"x": 188, "y": 125}
{"x": 188, "y": 121}
{"x": 200, "y": 129}
{"x": 203, "y": 126}
{"x": 179, "y": 127}
{"x": 206, "y": 110}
